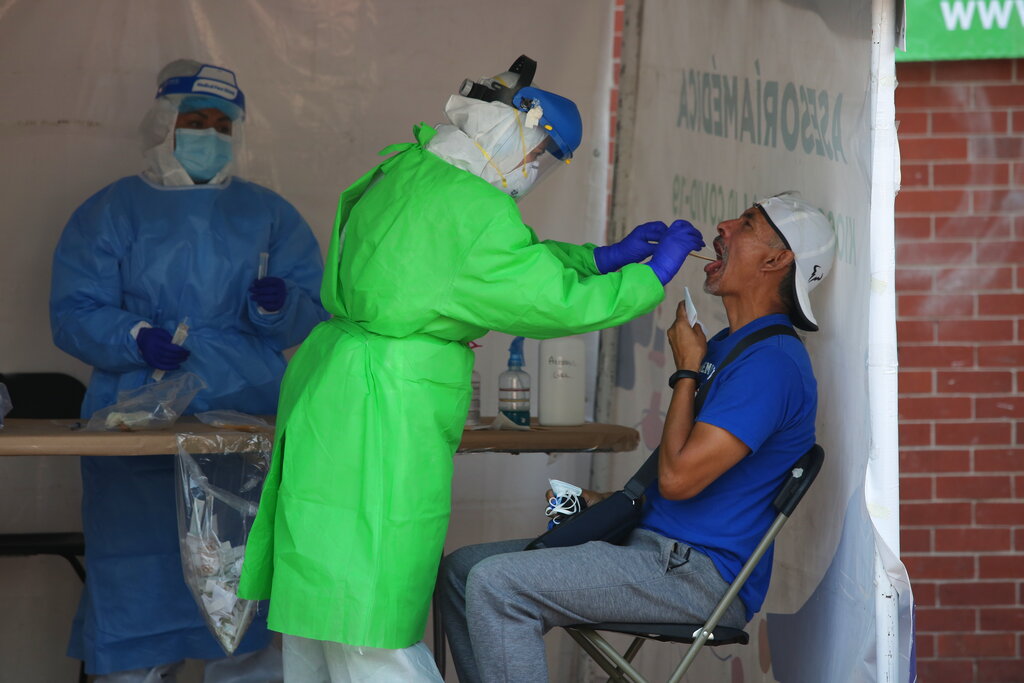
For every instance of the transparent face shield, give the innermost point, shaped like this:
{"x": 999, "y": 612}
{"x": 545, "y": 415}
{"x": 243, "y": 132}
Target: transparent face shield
{"x": 521, "y": 160}
{"x": 538, "y": 164}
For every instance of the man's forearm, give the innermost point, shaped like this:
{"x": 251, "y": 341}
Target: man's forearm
{"x": 678, "y": 425}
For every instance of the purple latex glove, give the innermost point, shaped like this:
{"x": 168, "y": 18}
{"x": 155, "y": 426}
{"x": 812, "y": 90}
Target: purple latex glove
{"x": 633, "y": 248}
{"x": 158, "y": 351}
{"x": 679, "y": 240}
{"x": 269, "y": 293}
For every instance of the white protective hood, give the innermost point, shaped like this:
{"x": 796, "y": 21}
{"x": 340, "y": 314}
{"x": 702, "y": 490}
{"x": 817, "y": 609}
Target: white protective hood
{"x": 157, "y": 130}
{"x": 498, "y": 128}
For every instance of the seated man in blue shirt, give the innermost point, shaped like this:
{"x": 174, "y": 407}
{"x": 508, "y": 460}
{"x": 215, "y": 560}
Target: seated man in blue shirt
{"x": 718, "y": 470}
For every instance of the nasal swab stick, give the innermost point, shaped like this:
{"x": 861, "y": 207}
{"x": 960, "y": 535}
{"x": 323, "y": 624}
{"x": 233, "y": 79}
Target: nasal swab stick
{"x": 264, "y": 262}
{"x": 262, "y": 273}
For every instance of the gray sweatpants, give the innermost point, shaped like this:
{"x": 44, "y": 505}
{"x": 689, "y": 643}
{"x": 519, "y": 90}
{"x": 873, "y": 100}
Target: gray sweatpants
{"x": 498, "y": 603}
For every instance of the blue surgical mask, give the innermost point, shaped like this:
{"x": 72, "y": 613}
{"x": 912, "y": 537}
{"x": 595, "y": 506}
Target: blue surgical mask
{"x": 203, "y": 153}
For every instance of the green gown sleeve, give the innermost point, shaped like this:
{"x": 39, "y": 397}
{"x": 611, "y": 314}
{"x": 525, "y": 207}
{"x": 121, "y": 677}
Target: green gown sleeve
{"x": 579, "y": 257}
{"x": 511, "y": 283}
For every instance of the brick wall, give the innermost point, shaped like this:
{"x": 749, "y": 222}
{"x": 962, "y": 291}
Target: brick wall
{"x": 960, "y": 286}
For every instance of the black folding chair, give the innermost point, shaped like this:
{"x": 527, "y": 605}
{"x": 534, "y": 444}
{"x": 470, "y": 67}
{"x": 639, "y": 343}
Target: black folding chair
{"x": 46, "y": 395}
{"x": 619, "y": 666}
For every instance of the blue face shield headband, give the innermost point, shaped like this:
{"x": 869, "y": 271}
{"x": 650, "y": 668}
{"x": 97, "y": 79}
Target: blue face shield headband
{"x": 197, "y": 102}
{"x": 559, "y": 118}
{"x": 211, "y": 81}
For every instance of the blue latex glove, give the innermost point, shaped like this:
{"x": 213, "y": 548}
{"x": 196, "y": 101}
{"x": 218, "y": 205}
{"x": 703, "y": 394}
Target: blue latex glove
{"x": 269, "y": 293}
{"x": 633, "y": 248}
{"x": 158, "y": 351}
{"x": 679, "y": 240}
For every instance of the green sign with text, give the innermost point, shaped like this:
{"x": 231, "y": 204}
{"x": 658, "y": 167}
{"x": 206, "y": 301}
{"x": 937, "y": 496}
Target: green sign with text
{"x": 963, "y": 29}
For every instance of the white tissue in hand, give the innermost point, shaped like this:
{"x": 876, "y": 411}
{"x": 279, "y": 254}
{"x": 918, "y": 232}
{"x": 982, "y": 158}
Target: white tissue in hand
{"x": 691, "y": 310}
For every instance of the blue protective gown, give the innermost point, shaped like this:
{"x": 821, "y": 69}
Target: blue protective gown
{"x": 135, "y": 252}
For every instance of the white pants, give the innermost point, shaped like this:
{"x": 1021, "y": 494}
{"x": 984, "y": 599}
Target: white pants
{"x": 262, "y": 666}
{"x": 321, "y": 661}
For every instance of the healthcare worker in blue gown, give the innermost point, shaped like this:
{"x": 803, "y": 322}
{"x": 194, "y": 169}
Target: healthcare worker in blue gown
{"x": 183, "y": 238}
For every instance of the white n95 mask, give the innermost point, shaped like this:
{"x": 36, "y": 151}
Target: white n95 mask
{"x": 517, "y": 183}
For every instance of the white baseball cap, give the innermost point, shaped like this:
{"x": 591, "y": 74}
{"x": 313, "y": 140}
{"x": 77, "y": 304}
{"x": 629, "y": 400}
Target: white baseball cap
{"x": 808, "y": 234}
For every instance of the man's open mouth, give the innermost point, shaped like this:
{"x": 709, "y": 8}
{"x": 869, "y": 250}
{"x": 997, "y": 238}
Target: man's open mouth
{"x": 716, "y": 265}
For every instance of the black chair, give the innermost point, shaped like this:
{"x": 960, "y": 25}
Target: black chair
{"x": 55, "y": 396}
{"x": 69, "y": 545}
{"x": 46, "y": 395}
{"x": 619, "y": 667}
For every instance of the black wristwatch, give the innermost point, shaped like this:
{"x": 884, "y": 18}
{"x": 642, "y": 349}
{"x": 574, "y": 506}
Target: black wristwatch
{"x": 680, "y": 374}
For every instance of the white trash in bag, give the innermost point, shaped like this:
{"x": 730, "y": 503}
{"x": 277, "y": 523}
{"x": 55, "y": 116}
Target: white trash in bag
{"x": 150, "y": 406}
{"x": 219, "y": 479}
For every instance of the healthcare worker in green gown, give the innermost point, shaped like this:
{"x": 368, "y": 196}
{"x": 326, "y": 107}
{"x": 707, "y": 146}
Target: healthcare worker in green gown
{"x": 429, "y": 252}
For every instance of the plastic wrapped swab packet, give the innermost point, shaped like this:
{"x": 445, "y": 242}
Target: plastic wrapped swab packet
{"x": 180, "y": 335}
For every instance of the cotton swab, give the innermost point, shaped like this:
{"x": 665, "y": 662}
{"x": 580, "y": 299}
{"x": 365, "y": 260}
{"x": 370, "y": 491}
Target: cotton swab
{"x": 262, "y": 273}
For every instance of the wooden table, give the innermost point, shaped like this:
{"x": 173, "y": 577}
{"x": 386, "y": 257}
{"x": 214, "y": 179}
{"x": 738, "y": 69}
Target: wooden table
{"x": 60, "y": 437}
{"x": 21, "y": 437}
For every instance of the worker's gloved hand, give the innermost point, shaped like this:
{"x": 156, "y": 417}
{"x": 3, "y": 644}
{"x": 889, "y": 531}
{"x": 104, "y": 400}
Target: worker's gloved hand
{"x": 269, "y": 293}
{"x": 158, "y": 351}
{"x": 634, "y": 247}
{"x": 678, "y": 241}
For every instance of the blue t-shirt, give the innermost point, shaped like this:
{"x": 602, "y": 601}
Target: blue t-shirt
{"x": 767, "y": 398}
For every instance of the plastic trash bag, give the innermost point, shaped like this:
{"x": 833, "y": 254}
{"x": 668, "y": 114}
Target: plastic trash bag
{"x": 5, "y": 403}
{"x": 233, "y": 419}
{"x": 219, "y": 478}
{"x": 151, "y": 406}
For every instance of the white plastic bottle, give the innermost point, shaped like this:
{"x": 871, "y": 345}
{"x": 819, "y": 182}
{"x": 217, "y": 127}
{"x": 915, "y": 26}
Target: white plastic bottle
{"x": 514, "y": 387}
{"x": 561, "y": 386}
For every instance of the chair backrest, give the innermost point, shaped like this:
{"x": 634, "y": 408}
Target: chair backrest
{"x": 801, "y": 476}
{"x": 50, "y": 395}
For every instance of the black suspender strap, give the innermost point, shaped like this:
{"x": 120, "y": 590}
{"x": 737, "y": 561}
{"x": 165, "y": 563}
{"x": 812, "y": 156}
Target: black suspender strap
{"x": 648, "y": 472}
{"x": 741, "y": 346}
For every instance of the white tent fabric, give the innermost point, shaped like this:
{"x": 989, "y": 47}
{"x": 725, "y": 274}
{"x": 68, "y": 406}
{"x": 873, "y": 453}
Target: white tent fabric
{"x": 733, "y": 101}
{"x": 328, "y": 83}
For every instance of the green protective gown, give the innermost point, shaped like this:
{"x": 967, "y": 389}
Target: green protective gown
{"x": 424, "y": 258}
